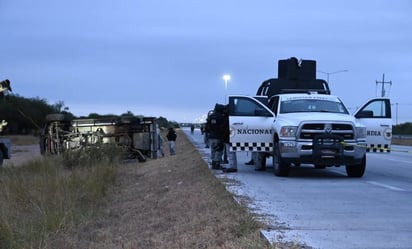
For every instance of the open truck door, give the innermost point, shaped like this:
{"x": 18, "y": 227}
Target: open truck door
{"x": 250, "y": 124}
{"x": 376, "y": 115}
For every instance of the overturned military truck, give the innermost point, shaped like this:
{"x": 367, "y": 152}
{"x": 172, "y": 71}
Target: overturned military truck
{"x": 138, "y": 135}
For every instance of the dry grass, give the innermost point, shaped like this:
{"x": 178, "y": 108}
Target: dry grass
{"x": 171, "y": 202}
{"x": 407, "y": 142}
{"x": 42, "y": 198}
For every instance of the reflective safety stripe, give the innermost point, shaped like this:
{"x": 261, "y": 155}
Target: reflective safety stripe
{"x": 264, "y": 147}
{"x": 378, "y": 148}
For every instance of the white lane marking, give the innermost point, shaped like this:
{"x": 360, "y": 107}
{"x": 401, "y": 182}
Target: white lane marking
{"x": 385, "y": 186}
{"x": 399, "y": 161}
{"x": 389, "y": 159}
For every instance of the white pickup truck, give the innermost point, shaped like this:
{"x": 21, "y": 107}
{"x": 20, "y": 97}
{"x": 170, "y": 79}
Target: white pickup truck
{"x": 309, "y": 128}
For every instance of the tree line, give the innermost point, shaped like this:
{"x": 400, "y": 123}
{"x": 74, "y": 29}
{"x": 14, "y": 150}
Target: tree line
{"x": 28, "y": 115}
{"x": 402, "y": 129}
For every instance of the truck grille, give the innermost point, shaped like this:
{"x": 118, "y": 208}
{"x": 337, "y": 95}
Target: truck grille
{"x": 310, "y": 130}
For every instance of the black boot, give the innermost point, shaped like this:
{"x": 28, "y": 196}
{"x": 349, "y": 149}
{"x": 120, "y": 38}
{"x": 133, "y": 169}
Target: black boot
{"x": 230, "y": 170}
{"x": 216, "y": 165}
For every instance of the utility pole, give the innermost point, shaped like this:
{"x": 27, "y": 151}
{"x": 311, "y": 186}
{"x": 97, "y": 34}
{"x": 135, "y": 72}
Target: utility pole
{"x": 396, "y": 113}
{"x": 383, "y": 82}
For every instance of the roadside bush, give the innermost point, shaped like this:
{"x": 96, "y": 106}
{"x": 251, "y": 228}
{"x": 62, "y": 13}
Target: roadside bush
{"x": 44, "y": 196}
{"x": 91, "y": 155}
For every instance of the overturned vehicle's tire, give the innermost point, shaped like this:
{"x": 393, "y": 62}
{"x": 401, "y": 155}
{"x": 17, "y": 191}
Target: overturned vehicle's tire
{"x": 57, "y": 117}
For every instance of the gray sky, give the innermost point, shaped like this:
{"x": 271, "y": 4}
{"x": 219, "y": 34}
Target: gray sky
{"x": 167, "y": 58}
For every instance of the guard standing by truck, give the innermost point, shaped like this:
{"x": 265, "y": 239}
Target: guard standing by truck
{"x": 231, "y": 155}
{"x": 216, "y": 128}
{"x": 206, "y": 130}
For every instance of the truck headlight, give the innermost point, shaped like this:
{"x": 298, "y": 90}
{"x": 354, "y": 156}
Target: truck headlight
{"x": 288, "y": 131}
{"x": 361, "y": 131}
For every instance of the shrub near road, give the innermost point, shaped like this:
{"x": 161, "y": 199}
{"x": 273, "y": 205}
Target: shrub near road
{"x": 42, "y": 197}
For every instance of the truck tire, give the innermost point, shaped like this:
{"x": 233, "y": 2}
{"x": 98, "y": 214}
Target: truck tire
{"x": 56, "y": 117}
{"x": 356, "y": 170}
{"x": 280, "y": 167}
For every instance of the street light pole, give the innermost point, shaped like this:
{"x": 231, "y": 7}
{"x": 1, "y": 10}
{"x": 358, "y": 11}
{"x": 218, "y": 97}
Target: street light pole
{"x": 329, "y": 73}
{"x": 226, "y": 78}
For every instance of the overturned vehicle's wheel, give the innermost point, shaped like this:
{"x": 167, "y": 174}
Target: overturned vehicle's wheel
{"x": 57, "y": 117}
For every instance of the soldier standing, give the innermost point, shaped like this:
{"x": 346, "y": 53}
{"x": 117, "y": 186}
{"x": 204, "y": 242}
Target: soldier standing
{"x": 216, "y": 128}
{"x": 171, "y": 137}
{"x": 231, "y": 155}
{"x": 207, "y": 130}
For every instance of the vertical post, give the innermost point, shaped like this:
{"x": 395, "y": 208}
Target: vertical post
{"x": 396, "y": 113}
{"x": 154, "y": 133}
{"x": 383, "y": 85}
{"x": 225, "y": 91}
{"x": 226, "y": 78}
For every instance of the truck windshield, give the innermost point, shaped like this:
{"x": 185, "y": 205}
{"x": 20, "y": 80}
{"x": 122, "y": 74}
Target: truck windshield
{"x": 312, "y": 105}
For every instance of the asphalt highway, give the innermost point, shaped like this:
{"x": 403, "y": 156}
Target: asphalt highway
{"x": 324, "y": 208}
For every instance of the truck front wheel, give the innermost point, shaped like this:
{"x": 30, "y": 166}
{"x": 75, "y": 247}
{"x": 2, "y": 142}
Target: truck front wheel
{"x": 280, "y": 167}
{"x": 357, "y": 170}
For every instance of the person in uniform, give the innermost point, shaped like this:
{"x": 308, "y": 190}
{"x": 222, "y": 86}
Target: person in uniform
{"x": 206, "y": 130}
{"x": 171, "y": 137}
{"x": 231, "y": 155}
{"x": 216, "y": 134}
